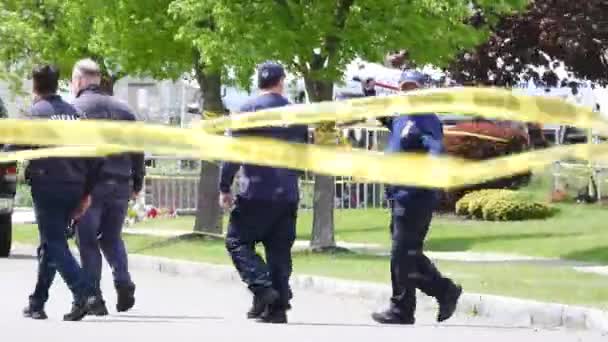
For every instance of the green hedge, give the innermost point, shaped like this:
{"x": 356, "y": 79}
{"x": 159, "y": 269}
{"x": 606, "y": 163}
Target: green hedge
{"x": 501, "y": 205}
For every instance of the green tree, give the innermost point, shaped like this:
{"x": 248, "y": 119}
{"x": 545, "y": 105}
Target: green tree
{"x": 316, "y": 39}
{"x": 143, "y": 38}
{"x": 126, "y": 38}
{"x": 35, "y": 31}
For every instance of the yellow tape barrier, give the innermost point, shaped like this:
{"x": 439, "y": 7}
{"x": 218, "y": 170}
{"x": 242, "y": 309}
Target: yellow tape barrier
{"x": 487, "y": 102}
{"x": 69, "y": 151}
{"x": 419, "y": 170}
{"x": 411, "y": 169}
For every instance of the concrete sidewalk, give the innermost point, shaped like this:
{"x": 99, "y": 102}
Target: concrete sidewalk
{"x": 473, "y": 308}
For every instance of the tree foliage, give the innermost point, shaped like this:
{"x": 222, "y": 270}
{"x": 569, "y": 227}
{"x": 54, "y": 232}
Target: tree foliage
{"x": 34, "y": 31}
{"x": 574, "y": 32}
{"x": 124, "y": 37}
{"x": 135, "y": 37}
{"x": 317, "y": 39}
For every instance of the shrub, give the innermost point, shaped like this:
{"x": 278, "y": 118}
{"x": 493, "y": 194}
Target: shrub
{"x": 469, "y": 203}
{"x": 500, "y": 205}
{"x": 514, "y": 210}
{"x": 474, "y": 148}
{"x": 476, "y": 207}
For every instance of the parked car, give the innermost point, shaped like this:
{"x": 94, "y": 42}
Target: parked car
{"x": 8, "y": 189}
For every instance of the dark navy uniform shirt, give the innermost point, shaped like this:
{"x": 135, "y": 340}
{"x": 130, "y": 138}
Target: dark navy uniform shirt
{"x": 261, "y": 182}
{"x": 416, "y": 133}
{"x": 61, "y": 170}
{"x": 96, "y": 105}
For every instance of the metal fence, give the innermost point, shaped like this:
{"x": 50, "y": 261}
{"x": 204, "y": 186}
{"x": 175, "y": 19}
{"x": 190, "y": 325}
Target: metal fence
{"x": 181, "y": 193}
{"x": 170, "y": 192}
{"x": 177, "y": 188}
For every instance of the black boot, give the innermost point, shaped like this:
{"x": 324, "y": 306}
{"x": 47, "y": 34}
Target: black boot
{"x": 100, "y": 309}
{"x": 126, "y": 297}
{"x": 84, "y": 306}
{"x": 257, "y": 308}
{"x": 34, "y": 311}
{"x": 391, "y": 317}
{"x": 261, "y": 301}
{"x": 273, "y": 315}
{"x": 449, "y": 302}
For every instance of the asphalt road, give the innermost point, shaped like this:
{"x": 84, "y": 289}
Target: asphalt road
{"x": 194, "y": 309}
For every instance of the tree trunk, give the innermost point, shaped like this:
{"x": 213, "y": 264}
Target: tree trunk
{"x": 209, "y": 214}
{"x": 107, "y": 84}
{"x": 324, "y": 190}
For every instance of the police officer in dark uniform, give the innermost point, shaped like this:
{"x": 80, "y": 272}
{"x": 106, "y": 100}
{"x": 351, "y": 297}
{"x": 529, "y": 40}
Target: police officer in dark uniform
{"x": 61, "y": 190}
{"x": 265, "y": 209}
{"x": 120, "y": 180}
{"x": 412, "y": 211}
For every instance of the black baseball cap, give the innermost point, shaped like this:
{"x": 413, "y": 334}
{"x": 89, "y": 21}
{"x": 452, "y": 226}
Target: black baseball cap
{"x": 269, "y": 74}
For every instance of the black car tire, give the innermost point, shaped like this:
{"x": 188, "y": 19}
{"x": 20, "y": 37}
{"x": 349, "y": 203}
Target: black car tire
{"x": 6, "y": 235}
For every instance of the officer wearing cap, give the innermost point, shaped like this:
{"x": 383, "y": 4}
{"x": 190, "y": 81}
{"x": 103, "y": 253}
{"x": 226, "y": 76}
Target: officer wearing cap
{"x": 265, "y": 209}
{"x": 121, "y": 178}
{"x": 411, "y": 214}
{"x": 61, "y": 190}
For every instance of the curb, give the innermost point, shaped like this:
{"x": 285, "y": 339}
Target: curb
{"x": 512, "y": 311}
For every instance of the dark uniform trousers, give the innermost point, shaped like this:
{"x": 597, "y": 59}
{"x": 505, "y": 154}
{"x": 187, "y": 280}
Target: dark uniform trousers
{"x": 410, "y": 268}
{"x": 274, "y": 225}
{"x": 101, "y": 228}
{"x": 54, "y": 205}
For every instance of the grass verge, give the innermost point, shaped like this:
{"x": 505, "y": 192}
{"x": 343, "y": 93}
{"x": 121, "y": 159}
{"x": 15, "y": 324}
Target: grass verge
{"x": 577, "y": 232}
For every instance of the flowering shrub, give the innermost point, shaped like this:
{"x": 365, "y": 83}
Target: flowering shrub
{"x": 138, "y": 212}
{"x": 501, "y": 205}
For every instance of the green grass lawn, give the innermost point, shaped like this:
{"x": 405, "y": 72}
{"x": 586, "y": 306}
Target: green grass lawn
{"x": 545, "y": 283}
{"x": 578, "y": 232}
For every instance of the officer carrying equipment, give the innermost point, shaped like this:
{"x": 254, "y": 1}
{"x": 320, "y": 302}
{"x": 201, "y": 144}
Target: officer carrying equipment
{"x": 411, "y": 214}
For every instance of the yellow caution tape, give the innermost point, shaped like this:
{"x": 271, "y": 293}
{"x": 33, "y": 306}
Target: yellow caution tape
{"x": 207, "y": 115}
{"x": 419, "y": 170}
{"x": 65, "y": 152}
{"x": 410, "y": 169}
{"x": 487, "y": 102}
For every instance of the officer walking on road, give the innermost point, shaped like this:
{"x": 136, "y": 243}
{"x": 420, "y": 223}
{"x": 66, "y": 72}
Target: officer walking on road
{"x": 412, "y": 211}
{"x": 121, "y": 179}
{"x": 61, "y": 190}
{"x": 265, "y": 210}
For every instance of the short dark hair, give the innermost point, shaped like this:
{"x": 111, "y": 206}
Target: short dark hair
{"x": 270, "y": 74}
{"x": 268, "y": 84}
{"x": 46, "y": 79}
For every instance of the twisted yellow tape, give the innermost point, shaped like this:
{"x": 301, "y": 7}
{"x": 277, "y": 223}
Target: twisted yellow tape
{"x": 411, "y": 169}
{"x": 419, "y": 170}
{"x": 486, "y": 102}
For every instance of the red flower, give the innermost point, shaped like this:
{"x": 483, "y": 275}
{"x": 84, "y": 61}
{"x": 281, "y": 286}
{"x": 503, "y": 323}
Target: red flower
{"x": 152, "y": 213}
